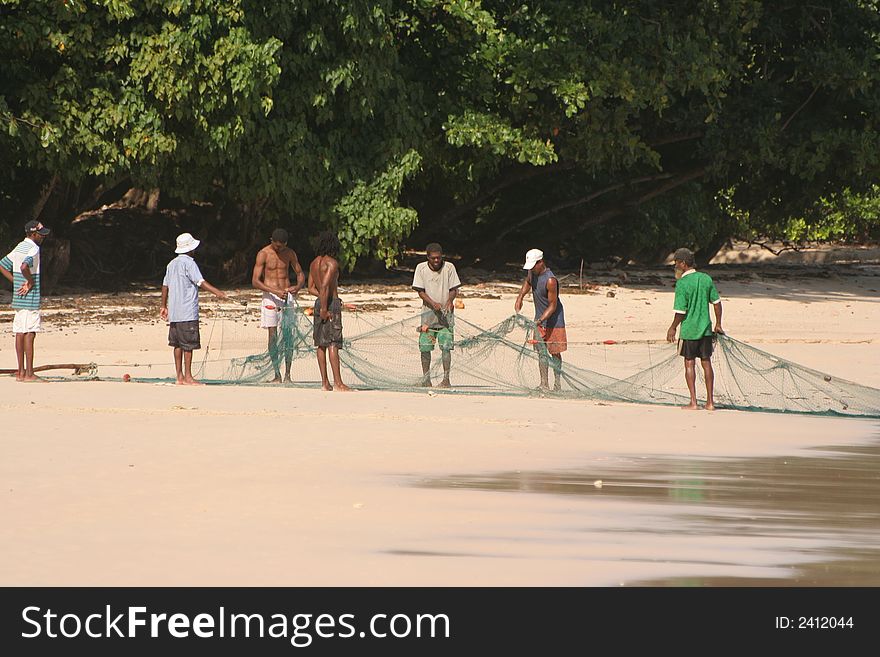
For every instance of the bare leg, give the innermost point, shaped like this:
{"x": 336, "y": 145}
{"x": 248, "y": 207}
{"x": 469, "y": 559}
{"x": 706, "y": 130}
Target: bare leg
{"x": 542, "y": 370}
{"x": 709, "y": 375}
{"x": 557, "y": 371}
{"x": 288, "y": 359}
{"x": 273, "y": 353}
{"x": 690, "y": 376}
{"x": 187, "y": 364}
{"x": 178, "y": 364}
{"x": 322, "y": 365}
{"x": 426, "y": 369}
{"x": 29, "y": 357}
{"x": 19, "y": 354}
{"x": 447, "y": 364}
{"x": 334, "y": 363}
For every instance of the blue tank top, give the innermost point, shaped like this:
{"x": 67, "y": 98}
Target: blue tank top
{"x": 539, "y": 296}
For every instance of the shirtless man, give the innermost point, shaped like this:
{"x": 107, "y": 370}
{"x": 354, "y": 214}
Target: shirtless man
{"x": 323, "y": 280}
{"x": 272, "y": 276}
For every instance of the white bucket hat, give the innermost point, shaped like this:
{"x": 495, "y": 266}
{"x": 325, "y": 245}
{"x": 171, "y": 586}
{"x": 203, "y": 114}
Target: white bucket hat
{"x": 532, "y": 256}
{"x": 186, "y": 243}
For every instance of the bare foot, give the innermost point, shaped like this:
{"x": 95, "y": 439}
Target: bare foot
{"x": 33, "y": 378}
{"x": 690, "y": 407}
{"x": 342, "y": 387}
{"x": 277, "y": 379}
{"x": 709, "y": 407}
{"x": 287, "y": 379}
{"x": 426, "y": 383}
{"x": 445, "y": 384}
{"x": 327, "y": 387}
{"x": 18, "y": 376}
{"x": 557, "y": 387}
{"x": 192, "y": 382}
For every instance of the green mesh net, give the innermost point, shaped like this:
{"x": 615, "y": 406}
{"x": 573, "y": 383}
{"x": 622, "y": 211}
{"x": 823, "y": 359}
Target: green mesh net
{"x": 507, "y": 360}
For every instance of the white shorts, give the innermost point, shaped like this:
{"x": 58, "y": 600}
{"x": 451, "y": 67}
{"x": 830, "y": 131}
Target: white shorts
{"x": 26, "y": 321}
{"x": 271, "y": 308}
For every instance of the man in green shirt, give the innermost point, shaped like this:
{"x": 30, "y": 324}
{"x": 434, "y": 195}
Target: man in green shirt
{"x": 694, "y": 292}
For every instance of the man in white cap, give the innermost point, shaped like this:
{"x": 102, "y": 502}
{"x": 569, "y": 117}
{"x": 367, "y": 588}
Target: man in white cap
{"x": 180, "y": 306}
{"x": 549, "y": 314}
{"x": 21, "y": 267}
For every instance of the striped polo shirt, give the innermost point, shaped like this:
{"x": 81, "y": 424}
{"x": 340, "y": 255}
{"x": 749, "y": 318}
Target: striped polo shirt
{"x": 27, "y": 252}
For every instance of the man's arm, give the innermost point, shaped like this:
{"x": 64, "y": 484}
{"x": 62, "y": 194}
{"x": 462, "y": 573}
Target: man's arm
{"x": 454, "y": 284}
{"x": 213, "y": 290}
{"x": 326, "y": 283}
{"x": 313, "y": 280}
{"x": 28, "y": 284}
{"x": 452, "y": 294}
{"x": 427, "y": 299}
{"x": 552, "y": 301}
{"x": 163, "y": 312}
{"x": 418, "y": 285}
{"x": 6, "y": 269}
{"x": 300, "y": 277}
{"x": 524, "y": 290}
{"x": 678, "y": 319}
{"x": 716, "y": 306}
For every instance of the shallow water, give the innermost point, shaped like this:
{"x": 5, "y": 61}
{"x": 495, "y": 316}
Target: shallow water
{"x": 781, "y": 521}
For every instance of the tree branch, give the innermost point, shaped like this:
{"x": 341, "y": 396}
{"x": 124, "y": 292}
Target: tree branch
{"x": 797, "y": 111}
{"x": 512, "y": 179}
{"x": 610, "y": 213}
{"x": 674, "y": 138}
{"x": 579, "y": 201}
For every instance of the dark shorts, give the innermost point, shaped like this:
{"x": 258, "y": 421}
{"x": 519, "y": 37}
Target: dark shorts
{"x": 330, "y": 331}
{"x": 184, "y": 335}
{"x": 702, "y": 348}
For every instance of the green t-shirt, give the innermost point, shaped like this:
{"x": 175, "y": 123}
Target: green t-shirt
{"x": 693, "y": 293}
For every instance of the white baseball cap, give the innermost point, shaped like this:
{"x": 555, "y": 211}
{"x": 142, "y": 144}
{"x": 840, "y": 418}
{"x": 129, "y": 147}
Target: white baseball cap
{"x": 186, "y": 243}
{"x": 532, "y": 256}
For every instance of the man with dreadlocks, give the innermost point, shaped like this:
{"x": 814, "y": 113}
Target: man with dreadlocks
{"x": 323, "y": 281}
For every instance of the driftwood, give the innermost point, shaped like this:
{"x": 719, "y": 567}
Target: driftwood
{"x": 78, "y": 368}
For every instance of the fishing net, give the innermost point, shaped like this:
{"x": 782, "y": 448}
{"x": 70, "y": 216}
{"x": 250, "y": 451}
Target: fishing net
{"x": 507, "y": 359}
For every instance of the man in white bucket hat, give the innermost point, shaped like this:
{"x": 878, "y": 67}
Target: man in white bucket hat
{"x": 180, "y": 306}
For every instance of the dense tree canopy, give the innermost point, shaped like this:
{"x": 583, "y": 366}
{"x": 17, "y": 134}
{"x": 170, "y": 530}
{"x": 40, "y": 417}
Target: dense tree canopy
{"x": 588, "y": 126}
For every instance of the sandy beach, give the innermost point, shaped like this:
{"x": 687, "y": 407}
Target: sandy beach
{"x": 125, "y": 484}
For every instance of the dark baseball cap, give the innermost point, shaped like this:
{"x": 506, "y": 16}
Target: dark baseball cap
{"x": 35, "y": 226}
{"x": 685, "y": 255}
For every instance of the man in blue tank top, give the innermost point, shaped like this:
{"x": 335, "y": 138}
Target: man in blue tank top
{"x": 549, "y": 315}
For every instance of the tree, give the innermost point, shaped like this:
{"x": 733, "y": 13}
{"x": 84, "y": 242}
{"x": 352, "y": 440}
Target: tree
{"x": 490, "y": 122}
{"x": 569, "y": 116}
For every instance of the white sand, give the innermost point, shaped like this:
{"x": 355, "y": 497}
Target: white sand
{"x": 137, "y": 484}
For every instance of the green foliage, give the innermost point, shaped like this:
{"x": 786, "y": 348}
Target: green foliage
{"x": 846, "y": 216}
{"x": 590, "y": 123}
{"x": 371, "y": 219}
{"x": 131, "y": 88}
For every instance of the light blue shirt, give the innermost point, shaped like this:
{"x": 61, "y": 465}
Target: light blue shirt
{"x": 183, "y": 278}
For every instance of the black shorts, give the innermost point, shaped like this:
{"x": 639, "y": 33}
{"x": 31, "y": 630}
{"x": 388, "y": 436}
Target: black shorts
{"x": 702, "y": 348}
{"x": 184, "y": 335}
{"x": 328, "y": 332}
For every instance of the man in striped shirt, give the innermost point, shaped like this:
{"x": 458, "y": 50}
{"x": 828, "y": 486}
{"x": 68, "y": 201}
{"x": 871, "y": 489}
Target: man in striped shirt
{"x": 21, "y": 267}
